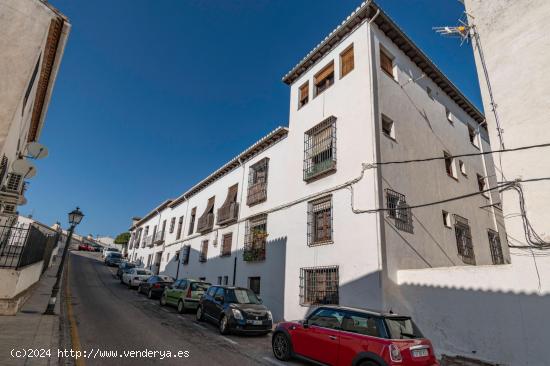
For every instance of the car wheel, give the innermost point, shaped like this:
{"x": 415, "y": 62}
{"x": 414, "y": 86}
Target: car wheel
{"x": 139, "y": 289}
{"x": 368, "y": 363}
{"x": 223, "y": 327}
{"x": 281, "y": 346}
{"x": 162, "y": 300}
{"x": 181, "y": 307}
{"x": 199, "y": 315}
{"x": 150, "y": 294}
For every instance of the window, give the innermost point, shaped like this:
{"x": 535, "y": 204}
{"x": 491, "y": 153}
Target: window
{"x": 303, "y": 95}
{"x": 172, "y": 224}
{"x": 386, "y": 63}
{"x": 257, "y": 182}
{"x": 464, "y": 243}
{"x": 495, "y": 247}
{"x": 255, "y": 239}
{"x": 446, "y": 219}
{"x": 326, "y": 318}
{"x": 398, "y": 210}
{"x": 186, "y": 254}
{"x": 324, "y": 79}
{"x": 180, "y": 225}
{"x": 254, "y": 284}
{"x": 205, "y": 223}
{"x": 192, "y": 221}
{"x": 320, "y": 149}
{"x": 3, "y": 168}
{"x": 219, "y": 280}
{"x": 229, "y": 210}
{"x": 163, "y": 230}
{"x": 177, "y": 256}
{"x": 387, "y": 127}
{"x": 204, "y": 251}
{"x": 482, "y": 186}
{"x": 362, "y": 324}
{"x": 347, "y": 62}
{"x": 462, "y": 168}
{"x": 145, "y": 237}
{"x": 320, "y": 221}
{"x": 449, "y": 115}
{"x": 449, "y": 164}
{"x": 319, "y": 285}
{"x": 226, "y": 244}
{"x": 472, "y": 135}
{"x": 226, "y": 280}
{"x": 167, "y": 257}
{"x": 203, "y": 279}
{"x": 429, "y": 92}
{"x": 14, "y": 182}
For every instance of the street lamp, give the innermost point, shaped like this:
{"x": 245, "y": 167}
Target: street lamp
{"x": 75, "y": 216}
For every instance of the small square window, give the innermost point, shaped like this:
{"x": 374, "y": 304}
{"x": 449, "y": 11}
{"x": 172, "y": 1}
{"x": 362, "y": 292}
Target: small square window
{"x": 449, "y": 115}
{"x": 446, "y": 219}
{"x": 387, "y": 127}
{"x": 303, "y": 95}
{"x": 462, "y": 168}
{"x": 347, "y": 62}
{"x": 449, "y": 165}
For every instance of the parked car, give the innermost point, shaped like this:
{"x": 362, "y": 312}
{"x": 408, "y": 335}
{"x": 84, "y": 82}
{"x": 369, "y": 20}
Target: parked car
{"x": 235, "y": 309}
{"x": 135, "y": 276}
{"x": 113, "y": 259}
{"x": 83, "y": 247}
{"x": 184, "y": 293}
{"x": 95, "y": 248}
{"x": 109, "y": 250}
{"x": 335, "y": 335}
{"x": 154, "y": 286}
{"x": 122, "y": 267}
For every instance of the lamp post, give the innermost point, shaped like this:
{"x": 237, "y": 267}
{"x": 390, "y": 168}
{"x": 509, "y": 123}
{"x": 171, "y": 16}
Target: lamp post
{"x": 75, "y": 216}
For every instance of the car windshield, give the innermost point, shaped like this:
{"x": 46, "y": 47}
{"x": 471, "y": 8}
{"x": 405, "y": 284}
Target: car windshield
{"x": 402, "y": 327}
{"x": 115, "y": 255}
{"x": 142, "y": 272}
{"x": 242, "y": 296}
{"x": 199, "y": 286}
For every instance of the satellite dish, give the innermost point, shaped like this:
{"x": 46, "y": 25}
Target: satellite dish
{"x": 23, "y": 167}
{"x": 36, "y": 150}
{"x": 22, "y": 201}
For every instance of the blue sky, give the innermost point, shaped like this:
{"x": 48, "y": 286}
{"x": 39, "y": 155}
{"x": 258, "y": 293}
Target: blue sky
{"x": 153, "y": 95}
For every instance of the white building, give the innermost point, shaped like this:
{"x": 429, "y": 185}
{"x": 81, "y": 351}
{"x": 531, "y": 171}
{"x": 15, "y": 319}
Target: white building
{"x": 304, "y": 216}
{"x": 32, "y": 41}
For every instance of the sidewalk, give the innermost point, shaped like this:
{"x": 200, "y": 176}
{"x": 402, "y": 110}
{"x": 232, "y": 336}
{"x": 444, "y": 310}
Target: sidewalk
{"x": 30, "y": 329}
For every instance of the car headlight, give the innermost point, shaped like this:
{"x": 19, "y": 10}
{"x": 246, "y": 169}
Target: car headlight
{"x": 269, "y": 315}
{"x": 237, "y": 314}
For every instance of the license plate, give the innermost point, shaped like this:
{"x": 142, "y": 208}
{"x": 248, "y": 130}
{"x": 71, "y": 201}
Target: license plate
{"x": 423, "y": 352}
{"x": 256, "y": 322}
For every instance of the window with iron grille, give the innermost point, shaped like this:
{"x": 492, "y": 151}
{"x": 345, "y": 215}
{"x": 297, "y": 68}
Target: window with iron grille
{"x": 464, "y": 243}
{"x": 254, "y": 284}
{"x": 3, "y": 168}
{"x": 255, "y": 239}
{"x": 180, "y": 226}
{"x": 14, "y": 182}
{"x": 172, "y": 224}
{"x": 496, "y": 249}
{"x": 186, "y": 253}
{"x": 398, "y": 210}
{"x": 226, "y": 244}
{"x": 204, "y": 251}
{"x": 257, "y": 182}
{"x": 320, "y": 149}
{"x": 319, "y": 285}
{"x": 319, "y": 223}
{"x": 192, "y": 221}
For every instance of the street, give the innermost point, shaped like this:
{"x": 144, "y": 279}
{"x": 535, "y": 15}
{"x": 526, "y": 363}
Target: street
{"x": 111, "y": 317}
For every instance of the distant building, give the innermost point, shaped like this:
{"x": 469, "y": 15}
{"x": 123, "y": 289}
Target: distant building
{"x": 32, "y": 41}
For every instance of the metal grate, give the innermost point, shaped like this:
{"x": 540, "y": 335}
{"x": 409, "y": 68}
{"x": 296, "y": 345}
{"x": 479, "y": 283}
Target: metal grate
{"x": 203, "y": 256}
{"x": 257, "y": 182}
{"x": 396, "y": 203}
{"x": 320, "y": 149}
{"x": 255, "y": 239}
{"x": 319, "y": 222}
{"x": 226, "y": 245}
{"x": 319, "y": 285}
{"x": 14, "y": 182}
{"x": 3, "y": 168}
{"x": 20, "y": 247}
{"x": 496, "y": 249}
{"x": 464, "y": 243}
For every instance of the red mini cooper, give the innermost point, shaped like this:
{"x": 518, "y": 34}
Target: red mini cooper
{"x": 342, "y": 336}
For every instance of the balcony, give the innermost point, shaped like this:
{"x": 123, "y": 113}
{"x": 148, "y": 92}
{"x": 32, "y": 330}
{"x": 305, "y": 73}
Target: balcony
{"x": 256, "y": 254}
{"x": 257, "y": 193}
{"x": 158, "y": 238}
{"x": 228, "y": 214}
{"x": 205, "y": 223}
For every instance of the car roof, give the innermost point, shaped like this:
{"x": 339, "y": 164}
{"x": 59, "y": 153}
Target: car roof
{"x": 364, "y": 311}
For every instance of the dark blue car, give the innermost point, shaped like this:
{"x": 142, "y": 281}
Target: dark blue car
{"x": 235, "y": 309}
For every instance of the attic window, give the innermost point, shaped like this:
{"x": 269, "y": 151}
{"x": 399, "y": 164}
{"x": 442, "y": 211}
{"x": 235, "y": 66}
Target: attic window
{"x": 324, "y": 78}
{"x": 303, "y": 97}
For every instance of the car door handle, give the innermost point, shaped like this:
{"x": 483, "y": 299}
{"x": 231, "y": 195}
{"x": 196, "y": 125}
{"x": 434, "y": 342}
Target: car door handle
{"x": 332, "y": 337}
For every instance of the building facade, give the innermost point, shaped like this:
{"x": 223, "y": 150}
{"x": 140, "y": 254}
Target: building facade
{"x": 32, "y": 40}
{"x": 325, "y": 211}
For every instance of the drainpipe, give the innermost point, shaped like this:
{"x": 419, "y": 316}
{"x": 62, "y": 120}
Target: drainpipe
{"x": 238, "y": 223}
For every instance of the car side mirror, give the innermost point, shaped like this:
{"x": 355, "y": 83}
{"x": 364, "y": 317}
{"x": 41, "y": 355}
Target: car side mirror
{"x": 219, "y": 298}
{"x": 259, "y": 299}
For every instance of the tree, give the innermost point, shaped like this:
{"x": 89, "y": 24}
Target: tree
{"x": 122, "y": 238}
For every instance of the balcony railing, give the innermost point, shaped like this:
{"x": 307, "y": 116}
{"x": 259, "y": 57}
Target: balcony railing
{"x": 254, "y": 254}
{"x": 228, "y": 214}
{"x": 158, "y": 239}
{"x": 148, "y": 241}
{"x": 205, "y": 223}
{"x": 20, "y": 247}
{"x": 257, "y": 193}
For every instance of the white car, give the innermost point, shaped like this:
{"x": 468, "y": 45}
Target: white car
{"x": 109, "y": 250}
{"x": 135, "y": 276}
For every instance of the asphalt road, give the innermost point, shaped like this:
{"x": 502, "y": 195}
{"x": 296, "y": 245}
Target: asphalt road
{"x": 110, "y": 317}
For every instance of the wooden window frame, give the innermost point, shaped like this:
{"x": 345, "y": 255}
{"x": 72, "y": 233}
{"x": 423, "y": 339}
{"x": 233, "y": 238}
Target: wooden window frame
{"x": 319, "y": 285}
{"x": 328, "y": 80}
{"x": 226, "y": 247}
{"x": 324, "y": 207}
{"x": 301, "y": 100}
{"x": 386, "y": 54}
{"x": 343, "y": 54}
